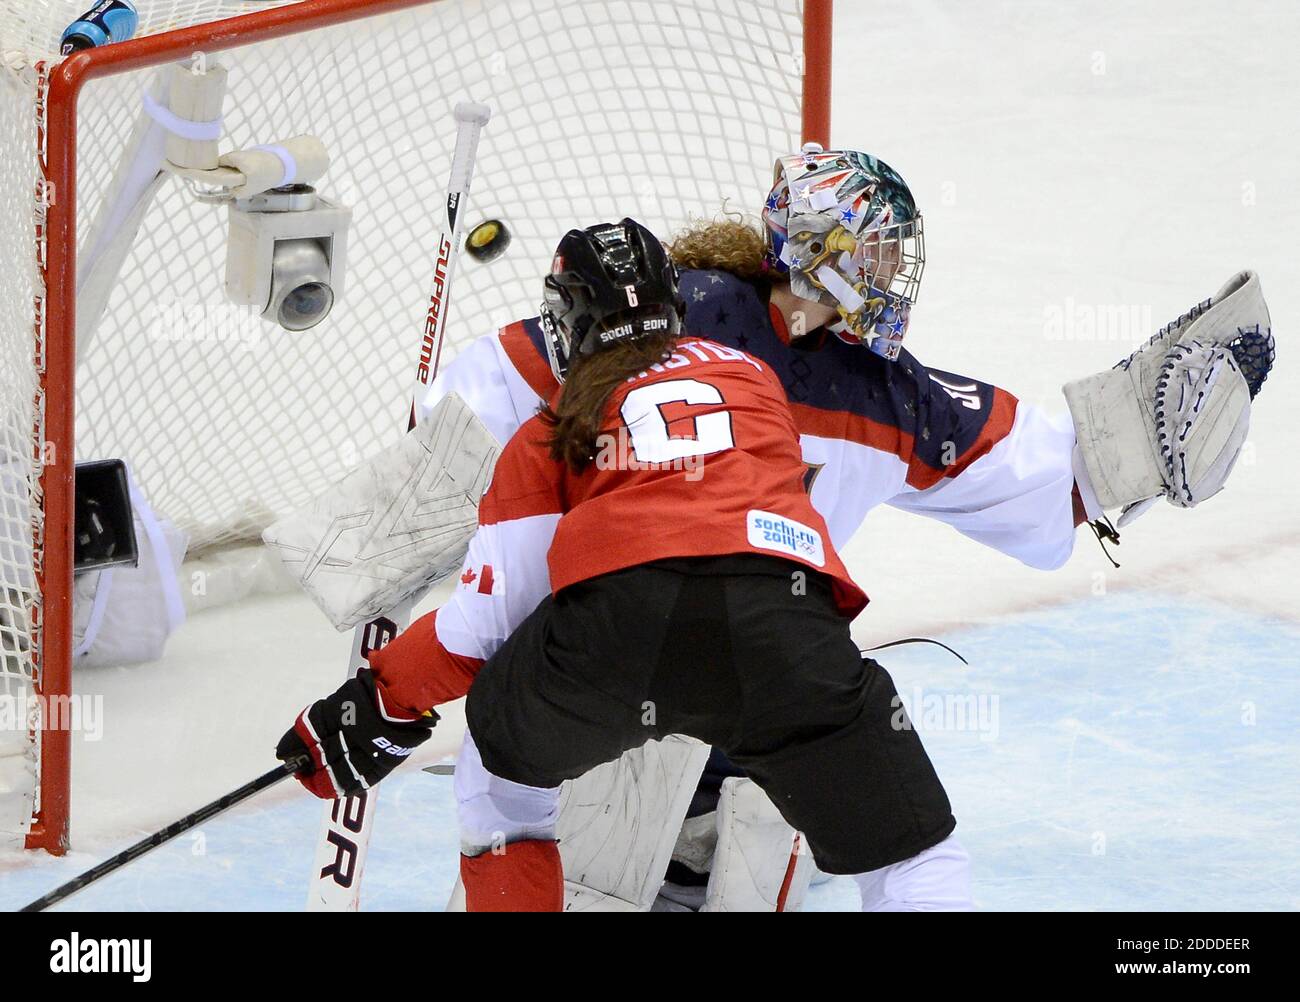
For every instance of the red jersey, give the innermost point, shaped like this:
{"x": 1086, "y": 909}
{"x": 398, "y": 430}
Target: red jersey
{"x": 700, "y": 457}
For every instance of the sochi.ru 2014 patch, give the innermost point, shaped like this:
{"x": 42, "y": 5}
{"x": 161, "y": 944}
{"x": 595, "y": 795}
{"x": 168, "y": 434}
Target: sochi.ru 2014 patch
{"x": 769, "y": 531}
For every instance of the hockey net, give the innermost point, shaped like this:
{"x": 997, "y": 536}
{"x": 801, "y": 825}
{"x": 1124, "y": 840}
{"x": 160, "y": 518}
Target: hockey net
{"x": 659, "y": 109}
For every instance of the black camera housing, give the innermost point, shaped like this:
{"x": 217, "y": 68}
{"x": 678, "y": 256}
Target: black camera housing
{"x": 104, "y": 533}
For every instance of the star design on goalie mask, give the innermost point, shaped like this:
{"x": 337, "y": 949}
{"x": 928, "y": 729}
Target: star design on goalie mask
{"x": 848, "y": 215}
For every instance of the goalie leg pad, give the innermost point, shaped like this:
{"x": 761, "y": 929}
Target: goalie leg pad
{"x": 760, "y": 864}
{"x": 619, "y": 822}
{"x": 616, "y": 824}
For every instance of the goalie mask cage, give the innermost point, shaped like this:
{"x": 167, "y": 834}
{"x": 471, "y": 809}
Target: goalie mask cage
{"x": 664, "y": 110}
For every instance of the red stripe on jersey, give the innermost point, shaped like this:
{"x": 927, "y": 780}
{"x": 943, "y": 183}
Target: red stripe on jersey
{"x": 779, "y": 324}
{"x": 1002, "y": 415}
{"x": 523, "y": 355}
{"x": 485, "y": 580}
{"x": 416, "y": 673}
{"x": 852, "y": 428}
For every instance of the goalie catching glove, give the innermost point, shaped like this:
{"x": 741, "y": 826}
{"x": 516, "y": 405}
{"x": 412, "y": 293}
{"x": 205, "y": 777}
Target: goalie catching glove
{"x": 1171, "y": 419}
{"x": 352, "y": 741}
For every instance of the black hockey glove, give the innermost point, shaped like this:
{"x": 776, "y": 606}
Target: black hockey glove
{"x": 351, "y": 742}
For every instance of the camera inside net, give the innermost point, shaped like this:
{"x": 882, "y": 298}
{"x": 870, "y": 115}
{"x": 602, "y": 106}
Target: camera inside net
{"x": 287, "y": 255}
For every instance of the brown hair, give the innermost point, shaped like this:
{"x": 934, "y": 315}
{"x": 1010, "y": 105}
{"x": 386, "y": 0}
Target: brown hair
{"x": 729, "y": 243}
{"x": 575, "y": 421}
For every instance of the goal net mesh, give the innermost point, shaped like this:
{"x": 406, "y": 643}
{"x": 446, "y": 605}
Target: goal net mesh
{"x": 664, "y": 110}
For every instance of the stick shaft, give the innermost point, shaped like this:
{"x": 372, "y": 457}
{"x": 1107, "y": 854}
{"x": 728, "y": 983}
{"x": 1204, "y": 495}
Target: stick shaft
{"x": 470, "y": 119}
{"x": 344, "y": 839}
{"x": 162, "y": 837}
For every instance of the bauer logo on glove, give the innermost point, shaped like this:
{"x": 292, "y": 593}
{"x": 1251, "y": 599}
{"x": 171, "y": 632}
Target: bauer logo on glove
{"x": 351, "y": 739}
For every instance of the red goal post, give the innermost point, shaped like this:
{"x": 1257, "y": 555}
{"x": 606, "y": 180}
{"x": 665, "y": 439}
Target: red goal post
{"x": 59, "y": 88}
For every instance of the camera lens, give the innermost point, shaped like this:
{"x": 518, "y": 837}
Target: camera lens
{"x": 301, "y": 295}
{"x": 306, "y": 306}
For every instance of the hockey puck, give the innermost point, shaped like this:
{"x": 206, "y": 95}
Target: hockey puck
{"x": 488, "y": 240}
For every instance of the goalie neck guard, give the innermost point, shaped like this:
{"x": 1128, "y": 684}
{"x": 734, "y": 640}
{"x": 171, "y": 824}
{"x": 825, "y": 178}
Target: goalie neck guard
{"x": 844, "y": 227}
{"x": 609, "y": 283}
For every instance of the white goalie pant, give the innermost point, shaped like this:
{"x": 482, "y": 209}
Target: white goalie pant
{"x": 937, "y": 879}
{"x": 493, "y": 812}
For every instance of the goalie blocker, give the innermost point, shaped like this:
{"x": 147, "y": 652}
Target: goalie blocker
{"x": 395, "y": 525}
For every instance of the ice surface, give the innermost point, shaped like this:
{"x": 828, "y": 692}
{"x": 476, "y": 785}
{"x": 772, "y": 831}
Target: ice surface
{"x": 1133, "y": 752}
{"x": 1107, "y": 160}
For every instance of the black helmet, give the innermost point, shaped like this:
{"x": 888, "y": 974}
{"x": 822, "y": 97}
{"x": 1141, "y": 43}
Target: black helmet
{"x": 609, "y": 283}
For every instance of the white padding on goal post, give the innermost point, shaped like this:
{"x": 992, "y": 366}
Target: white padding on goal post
{"x": 396, "y": 525}
{"x": 300, "y": 160}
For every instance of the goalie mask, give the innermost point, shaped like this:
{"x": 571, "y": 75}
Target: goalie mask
{"x": 844, "y": 227}
{"x": 609, "y": 283}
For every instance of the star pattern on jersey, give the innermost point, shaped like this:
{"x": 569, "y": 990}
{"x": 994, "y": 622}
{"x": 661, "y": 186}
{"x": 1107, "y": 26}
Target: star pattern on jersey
{"x": 698, "y": 295}
{"x": 800, "y": 372}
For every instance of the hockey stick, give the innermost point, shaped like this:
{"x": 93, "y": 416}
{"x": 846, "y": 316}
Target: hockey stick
{"x": 146, "y": 845}
{"x": 345, "y": 827}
